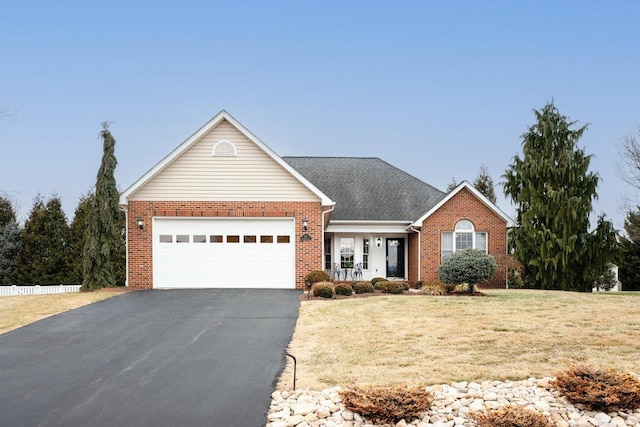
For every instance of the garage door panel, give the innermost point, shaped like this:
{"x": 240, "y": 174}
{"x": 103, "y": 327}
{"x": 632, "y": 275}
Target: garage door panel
{"x": 224, "y": 264}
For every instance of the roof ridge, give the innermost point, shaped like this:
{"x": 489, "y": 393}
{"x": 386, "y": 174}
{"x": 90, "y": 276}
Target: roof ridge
{"x": 414, "y": 177}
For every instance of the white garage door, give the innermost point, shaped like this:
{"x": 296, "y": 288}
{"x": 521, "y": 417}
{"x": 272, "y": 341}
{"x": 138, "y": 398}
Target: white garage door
{"x": 223, "y": 253}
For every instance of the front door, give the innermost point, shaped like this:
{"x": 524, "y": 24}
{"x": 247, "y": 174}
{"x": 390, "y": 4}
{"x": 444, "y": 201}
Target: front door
{"x": 395, "y": 258}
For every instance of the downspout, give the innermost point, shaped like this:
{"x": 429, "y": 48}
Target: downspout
{"x": 323, "y": 228}
{"x": 126, "y": 245}
{"x": 419, "y": 248}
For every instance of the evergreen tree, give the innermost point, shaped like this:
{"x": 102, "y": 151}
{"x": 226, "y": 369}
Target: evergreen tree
{"x": 629, "y": 268}
{"x": 78, "y": 236}
{"x": 484, "y": 184}
{"x": 452, "y": 185}
{"x": 7, "y": 213}
{"x": 553, "y": 191}
{"x": 102, "y": 230}
{"x": 43, "y": 257}
{"x": 9, "y": 246}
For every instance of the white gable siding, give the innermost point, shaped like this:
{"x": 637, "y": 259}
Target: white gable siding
{"x": 252, "y": 175}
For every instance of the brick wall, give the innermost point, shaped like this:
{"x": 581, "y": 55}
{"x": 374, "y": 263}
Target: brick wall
{"x": 308, "y": 253}
{"x": 464, "y": 205}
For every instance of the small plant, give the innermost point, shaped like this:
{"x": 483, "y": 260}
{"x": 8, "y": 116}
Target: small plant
{"x": 463, "y": 288}
{"x": 344, "y": 289}
{"x": 510, "y": 416}
{"x": 388, "y": 287}
{"x": 390, "y": 404}
{"x": 323, "y": 290}
{"x": 599, "y": 389}
{"x": 467, "y": 266}
{"x": 434, "y": 288}
{"x": 363, "y": 288}
{"x": 317, "y": 276}
{"x": 376, "y": 280}
{"x": 418, "y": 284}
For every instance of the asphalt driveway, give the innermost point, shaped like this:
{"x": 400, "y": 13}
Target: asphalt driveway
{"x": 151, "y": 358}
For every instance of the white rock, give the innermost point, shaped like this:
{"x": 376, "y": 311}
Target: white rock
{"x": 294, "y": 420}
{"x": 303, "y": 408}
{"x": 618, "y": 421}
{"x": 322, "y": 412}
{"x": 477, "y": 405}
{"x": 601, "y": 417}
{"x": 490, "y": 396}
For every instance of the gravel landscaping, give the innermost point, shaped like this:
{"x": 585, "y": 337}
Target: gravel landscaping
{"x": 454, "y": 401}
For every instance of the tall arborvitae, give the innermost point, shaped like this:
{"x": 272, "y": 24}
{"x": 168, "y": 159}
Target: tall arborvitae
{"x": 102, "y": 222}
{"x": 553, "y": 191}
{"x": 629, "y": 272}
{"x": 78, "y": 236}
{"x": 43, "y": 257}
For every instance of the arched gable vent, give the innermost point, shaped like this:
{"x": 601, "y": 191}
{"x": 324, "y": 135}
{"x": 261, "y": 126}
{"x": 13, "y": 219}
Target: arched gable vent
{"x": 224, "y": 149}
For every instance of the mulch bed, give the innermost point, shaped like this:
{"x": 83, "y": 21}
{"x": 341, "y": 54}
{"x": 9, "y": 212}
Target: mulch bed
{"x": 413, "y": 292}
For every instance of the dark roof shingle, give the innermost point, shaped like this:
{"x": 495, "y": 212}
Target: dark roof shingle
{"x": 368, "y": 189}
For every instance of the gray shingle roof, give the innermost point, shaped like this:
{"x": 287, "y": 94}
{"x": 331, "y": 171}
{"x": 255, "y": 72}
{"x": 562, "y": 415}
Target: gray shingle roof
{"x": 368, "y": 188}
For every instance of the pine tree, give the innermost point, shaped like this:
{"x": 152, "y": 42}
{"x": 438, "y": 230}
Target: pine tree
{"x": 9, "y": 245}
{"x": 102, "y": 230}
{"x": 43, "y": 257}
{"x": 78, "y": 236}
{"x": 629, "y": 271}
{"x": 452, "y": 185}
{"x": 553, "y": 191}
{"x": 484, "y": 184}
{"x": 7, "y": 213}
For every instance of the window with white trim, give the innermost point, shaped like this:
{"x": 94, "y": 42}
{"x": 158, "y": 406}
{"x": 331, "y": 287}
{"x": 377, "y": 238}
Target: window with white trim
{"x": 347, "y": 251}
{"x": 365, "y": 254}
{"x": 224, "y": 149}
{"x": 464, "y": 237}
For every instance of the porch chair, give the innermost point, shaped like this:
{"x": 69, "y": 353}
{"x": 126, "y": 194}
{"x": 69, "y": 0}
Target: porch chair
{"x": 357, "y": 271}
{"x": 337, "y": 271}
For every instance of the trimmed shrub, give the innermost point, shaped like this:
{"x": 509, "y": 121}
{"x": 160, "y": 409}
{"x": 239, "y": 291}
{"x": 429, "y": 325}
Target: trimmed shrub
{"x": 388, "y": 287}
{"x": 363, "y": 288}
{"x": 467, "y": 266}
{"x": 418, "y": 284}
{"x": 344, "y": 289}
{"x": 376, "y": 280}
{"x": 323, "y": 290}
{"x": 510, "y": 416}
{"x": 405, "y": 285}
{"x": 463, "y": 288}
{"x": 434, "y": 288}
{"x": 317, "y": 276}
{"x": 599, "y": 389}
{"x": 390, "y": 404}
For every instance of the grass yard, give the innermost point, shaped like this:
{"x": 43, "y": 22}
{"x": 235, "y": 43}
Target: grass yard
{"x": 18, "y": 311}
{"x": 512, "y": 334}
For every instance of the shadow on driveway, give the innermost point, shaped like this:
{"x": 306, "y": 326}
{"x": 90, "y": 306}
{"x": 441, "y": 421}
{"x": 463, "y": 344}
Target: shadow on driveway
{"x": 150, "y": 358}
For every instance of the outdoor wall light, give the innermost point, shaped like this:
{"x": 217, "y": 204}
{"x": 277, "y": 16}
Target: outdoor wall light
{"x": 140, "y": 222}
{"x": 379, "y": 242}
{"x": 305, "y": 224}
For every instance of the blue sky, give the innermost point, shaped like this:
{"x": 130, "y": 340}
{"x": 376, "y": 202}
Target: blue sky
{"x": 436, "y": 88}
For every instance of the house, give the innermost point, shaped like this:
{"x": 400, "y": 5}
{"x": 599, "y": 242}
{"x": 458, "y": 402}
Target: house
{"x": 224, "y": 210}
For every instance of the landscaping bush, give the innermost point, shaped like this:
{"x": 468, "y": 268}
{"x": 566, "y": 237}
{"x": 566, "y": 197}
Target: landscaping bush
{"x": 599, "y": 389}
{"x": 376, "y": 280}
{"x": 363, "y": 288}
{"x": 344, "y": 289}
{"x": 390, "y": 404}
{"x": 467, "y": 266}
{"x": 434, "y": 288}
{"x": 323, "y": 290}
{"x": 317, "y": 276}
{"x": 418, "y": 284}
{"x": 463, "y": 288}
{"x": 510, "y": 416}
{"x": 388, "y": 287}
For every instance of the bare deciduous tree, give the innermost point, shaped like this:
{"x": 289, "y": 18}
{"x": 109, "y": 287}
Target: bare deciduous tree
{"x": 629, "y": 159}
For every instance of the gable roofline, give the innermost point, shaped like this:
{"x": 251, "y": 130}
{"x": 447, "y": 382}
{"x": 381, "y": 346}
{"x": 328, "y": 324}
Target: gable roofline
{"x": 475, "y": 192}
{"x": 197, "y": 136}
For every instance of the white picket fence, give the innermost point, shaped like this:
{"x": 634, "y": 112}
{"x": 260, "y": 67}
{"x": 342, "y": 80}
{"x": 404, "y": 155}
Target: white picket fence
{"x": 7, "y": 291}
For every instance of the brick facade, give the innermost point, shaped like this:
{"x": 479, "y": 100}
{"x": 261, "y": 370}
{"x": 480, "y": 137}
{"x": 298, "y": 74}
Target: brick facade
{"x": 140, "y": 261}
{"x": 463, "y": 205}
